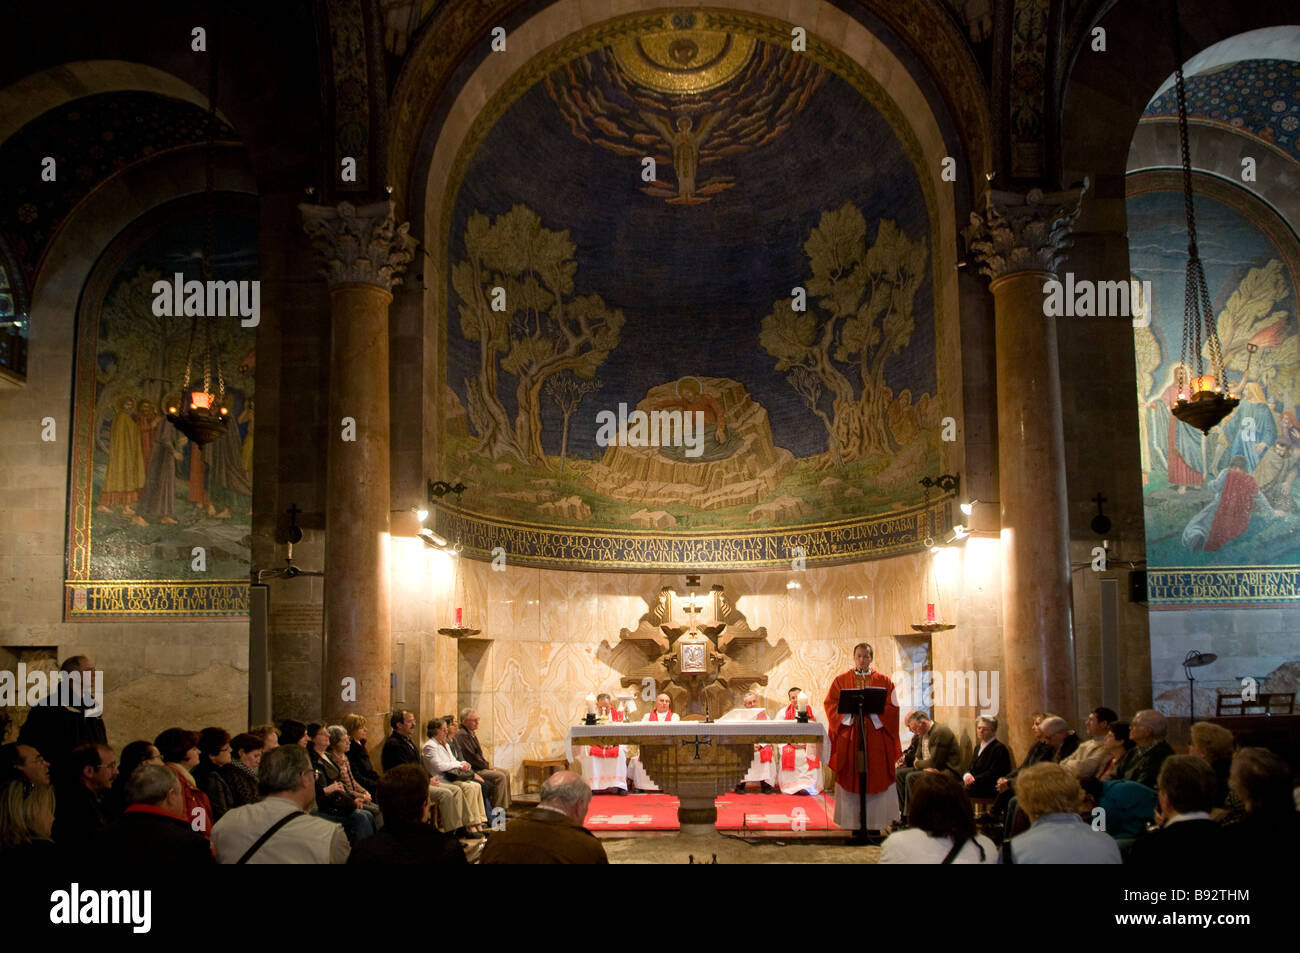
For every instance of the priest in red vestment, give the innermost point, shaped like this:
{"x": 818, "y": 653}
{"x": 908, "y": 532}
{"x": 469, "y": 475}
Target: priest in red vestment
{"x": 883, "y": 750}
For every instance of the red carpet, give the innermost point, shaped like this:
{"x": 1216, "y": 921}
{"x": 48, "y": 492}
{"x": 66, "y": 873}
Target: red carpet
{"x": 736, "y": 812}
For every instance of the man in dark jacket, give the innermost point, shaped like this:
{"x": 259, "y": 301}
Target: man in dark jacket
{"x": 152, "y": 830}
{"x": 937, "y": 752}
{"x": 1188, "y": 839}
{"x": 992, "y": 760}
{"x": 400, "y": 748}
{"x": 1142, "y": 763}
{"x": 553, "y": 832}
{"x": 54, "y": 729}
{"x": 407, "y": 836}
{"x": 84, "y": 778}
{"x": 466, "y": 747}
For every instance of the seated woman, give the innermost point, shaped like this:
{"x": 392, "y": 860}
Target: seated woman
{"x": 133, "y": 755}
{"x": 456, "y": 775}
{"x": 942, "y": 827}
{"x": 26, "y": 818}
{"x": 1214, "y": 745}
{"x": 241, "y": 772}
{"x": 1263, "y": 783}
{"x": 340, "y": 742}
{"x": 333, "y": 802}
{"x": 180, "y": 752}
{"x": 214, "y": 754}
{"x": 1115, "y": 746}
{"x": 363, "y": 769}
{"x": 1051, "y": 797}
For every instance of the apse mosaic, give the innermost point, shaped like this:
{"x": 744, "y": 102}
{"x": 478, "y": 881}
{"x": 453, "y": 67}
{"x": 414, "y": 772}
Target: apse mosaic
{"x": 1222, "y": 521}
{"x": 143, "y": 497}
{"x": 687, "y": 222}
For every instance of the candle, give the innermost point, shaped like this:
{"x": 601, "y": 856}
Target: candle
{"x": 929, "y": 612}
{"x": 458, "y": 617}
{"x": 801, "y": 702}
{"x": 591, "y": 704}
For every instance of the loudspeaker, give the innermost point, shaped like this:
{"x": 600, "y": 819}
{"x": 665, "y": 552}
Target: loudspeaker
{"x": 1137, "y": 586}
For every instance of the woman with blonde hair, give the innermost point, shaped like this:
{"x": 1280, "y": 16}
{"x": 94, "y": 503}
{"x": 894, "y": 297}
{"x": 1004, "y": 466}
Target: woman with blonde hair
{"x": 1050, "y": 795}
{"x": 1214, "y": 745}
{"x": 26, "y": 818}
{"x": 363, "y": 769}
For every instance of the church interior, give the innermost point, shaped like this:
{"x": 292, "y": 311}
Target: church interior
{"x": 601, "y": 350}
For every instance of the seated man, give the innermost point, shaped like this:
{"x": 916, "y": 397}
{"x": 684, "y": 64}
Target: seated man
{"x": 407, "y": 836}
{"x": 1187, "y": 838}
{"x": 154, "y": 829}
{"x": 1142, "y": 764}
{"x": 1040, "y": 750}
{"x": 552, "y": 833}
{"x": 287, "y": 783}
{"x": 1059, "y": 742}
{"x": 1087, "y": 760}
{"x": 663, "y": 711}
{"x": 87, "y": 773}
{"x": 761, "y": 768}
{"x": 992, "y": 760}
{"x": 466, "y": 747}
{"x": 937, "y": 753}
{"x": 798, "y": 770}
{"x": 605, "y": 766}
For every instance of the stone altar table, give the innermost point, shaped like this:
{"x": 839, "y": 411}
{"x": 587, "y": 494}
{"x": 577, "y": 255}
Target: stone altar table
{"x": 697, "y": 761}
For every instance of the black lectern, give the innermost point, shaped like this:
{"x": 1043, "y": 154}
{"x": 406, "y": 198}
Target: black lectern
{"x": 862, "y": 703}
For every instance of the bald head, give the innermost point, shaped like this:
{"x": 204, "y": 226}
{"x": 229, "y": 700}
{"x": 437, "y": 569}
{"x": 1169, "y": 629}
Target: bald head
{"x": 568, "y": 793}
{"x": 1148, "y": 727}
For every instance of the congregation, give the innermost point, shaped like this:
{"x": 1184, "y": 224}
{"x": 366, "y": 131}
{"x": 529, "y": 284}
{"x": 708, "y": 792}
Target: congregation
{"x": 311, "y": 793}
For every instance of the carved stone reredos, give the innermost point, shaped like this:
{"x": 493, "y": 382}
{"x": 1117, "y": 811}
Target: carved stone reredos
{"x": 650, "y": 650}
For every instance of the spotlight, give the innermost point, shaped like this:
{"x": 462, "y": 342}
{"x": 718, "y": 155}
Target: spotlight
{"x": 432, "y": 538}
{"x": 421, "y": 513}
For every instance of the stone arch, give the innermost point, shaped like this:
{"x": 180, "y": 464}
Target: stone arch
{"x": 38, "y": 93}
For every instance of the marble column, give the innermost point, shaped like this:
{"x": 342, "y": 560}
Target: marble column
{"x": 364, "y": 252}
{"x": 1018, "y": 241}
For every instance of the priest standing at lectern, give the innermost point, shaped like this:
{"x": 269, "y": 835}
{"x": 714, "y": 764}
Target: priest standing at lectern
{"x": 663, "y": 711}
{"x": 882, "y": 747}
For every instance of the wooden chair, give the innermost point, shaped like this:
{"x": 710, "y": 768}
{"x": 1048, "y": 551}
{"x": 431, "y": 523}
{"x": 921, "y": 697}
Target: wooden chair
{"x": 1266, "y": 703}
{"x": 982, "y": 804}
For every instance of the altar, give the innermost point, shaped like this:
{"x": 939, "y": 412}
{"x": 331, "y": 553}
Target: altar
{"x": 697, "y": 761}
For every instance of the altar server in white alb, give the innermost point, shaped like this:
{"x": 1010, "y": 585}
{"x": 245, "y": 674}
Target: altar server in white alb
{"x": 604, "y": 767}
{"x": 663, "y": 711}
{"x": 762, "y": 770}
{"x": 798, "y": 769}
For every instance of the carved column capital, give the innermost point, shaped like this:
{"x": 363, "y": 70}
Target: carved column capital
{"x": 361, "y": 244}
{"x": 1029, "y": 232}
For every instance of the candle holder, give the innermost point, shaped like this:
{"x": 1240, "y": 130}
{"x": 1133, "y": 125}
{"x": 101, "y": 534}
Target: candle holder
{"x": 801, "y": 717}
{"x": 459, "y": 632}
{"x": 933, "y": 626}
{"x": 590, "y": 719}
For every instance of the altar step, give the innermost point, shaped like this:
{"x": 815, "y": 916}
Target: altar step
{"x": 762, "y": 814}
